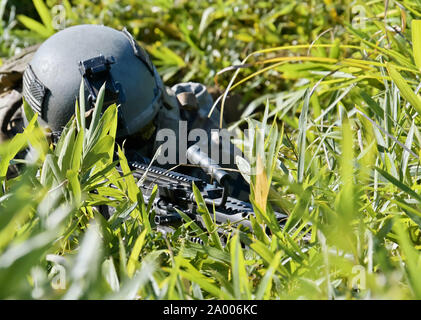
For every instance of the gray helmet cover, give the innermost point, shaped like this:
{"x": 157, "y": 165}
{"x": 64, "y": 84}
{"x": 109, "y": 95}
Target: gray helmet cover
{"x": 53, "y": 77}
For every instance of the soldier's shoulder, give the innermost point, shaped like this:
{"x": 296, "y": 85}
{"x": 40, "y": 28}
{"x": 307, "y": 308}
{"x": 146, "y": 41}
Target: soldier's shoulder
{"x": 19, "y": 62}
{"x": 11, "y": 70}
{"x": 184, "y": 91}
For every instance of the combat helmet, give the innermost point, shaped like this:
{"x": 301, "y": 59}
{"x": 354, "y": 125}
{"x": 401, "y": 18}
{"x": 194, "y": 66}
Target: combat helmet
{"x": 96, "y": 54}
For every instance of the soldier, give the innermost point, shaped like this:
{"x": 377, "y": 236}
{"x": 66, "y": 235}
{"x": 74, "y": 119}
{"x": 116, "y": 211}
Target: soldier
{"x": 98, "y": 54}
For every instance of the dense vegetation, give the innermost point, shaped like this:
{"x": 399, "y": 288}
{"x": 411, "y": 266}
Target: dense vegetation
{"x": 331, "y": 91}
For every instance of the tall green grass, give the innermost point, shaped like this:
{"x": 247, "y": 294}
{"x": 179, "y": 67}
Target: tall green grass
{"x": 335, "y": 124}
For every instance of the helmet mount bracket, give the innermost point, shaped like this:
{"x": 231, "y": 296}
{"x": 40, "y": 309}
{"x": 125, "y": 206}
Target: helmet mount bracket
{"x": 95, "y": 72}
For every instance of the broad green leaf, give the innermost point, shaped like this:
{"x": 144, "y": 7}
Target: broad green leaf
{"x": 204, "y": 213}
{"x": 416, "y": 42}
{"x": 239, "y": 274}
{"x": 35, "y": 26}
{"x": 44, "y": 13}
{"x": 265, "y": 285}
{"x": 193, "y": 225}
{"x": 133, "y": 259}
{"x": 66, "y": 154}
{"x": 400, "y": 185}
{"x": 404, "y": 88}
{"x": 205, "y": 283}
{"x": 72, "y": 176}
{"x": 110, "y": 274}
{"x": 411, "y": 256}
{"x": 93, "y": 127}
{"x": 77, "y": 152}
{"x": 18, "y": 259}
{"x": 99, "y": 153}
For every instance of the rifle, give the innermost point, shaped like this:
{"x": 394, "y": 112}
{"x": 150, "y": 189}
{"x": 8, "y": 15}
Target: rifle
{"x": 175, "y": 192}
